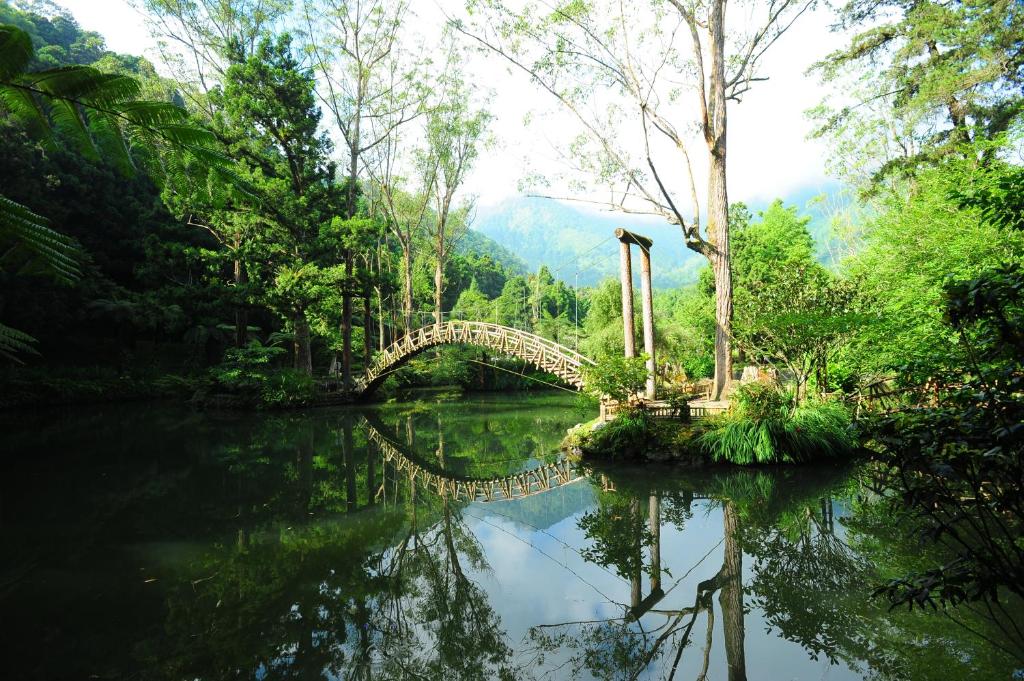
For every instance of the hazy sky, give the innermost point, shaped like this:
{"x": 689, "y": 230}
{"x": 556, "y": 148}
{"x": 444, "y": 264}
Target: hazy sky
{"x": 769, "y": 153}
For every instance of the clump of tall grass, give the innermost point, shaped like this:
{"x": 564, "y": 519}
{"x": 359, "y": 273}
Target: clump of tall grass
{"x": 765, "y": 428}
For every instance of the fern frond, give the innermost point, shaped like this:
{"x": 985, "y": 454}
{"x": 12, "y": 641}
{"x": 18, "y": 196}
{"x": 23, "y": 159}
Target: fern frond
{"x": 110, "y": 140}
{"x": 13, "y": 341}
{"x": 83, "y": 84}
{"x": 55, "y": 252}
{"x": 26, "y": 110}
{"x": 67, "y": 119}
{"x": 150, "y": 114}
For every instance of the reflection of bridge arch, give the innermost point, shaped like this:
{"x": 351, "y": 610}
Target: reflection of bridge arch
{"x": 540, "y": 352}
{"x": 456, "y": 487}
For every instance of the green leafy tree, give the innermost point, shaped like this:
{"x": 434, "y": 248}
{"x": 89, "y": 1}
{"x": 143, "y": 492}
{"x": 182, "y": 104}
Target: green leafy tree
{"x": 270, "y": 115}
{"x": 790, "y": 310}
{"x": 926, "y": 78}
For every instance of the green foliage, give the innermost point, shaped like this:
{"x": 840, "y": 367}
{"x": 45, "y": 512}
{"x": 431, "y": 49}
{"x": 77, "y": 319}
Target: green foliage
{"x": 617, "y": 377}
{"x": 761, "y": 401}
{"x": 911, "y": 249}
{"x": 98, "y": 115}
{"x": 927, "y": 77}
{"x": 287, "y": 388}
{"x": 958, "y": 463}
{"x": 789, "y": 310}
{"x": 246, "y": 369}
{"x": 764, "y": 428}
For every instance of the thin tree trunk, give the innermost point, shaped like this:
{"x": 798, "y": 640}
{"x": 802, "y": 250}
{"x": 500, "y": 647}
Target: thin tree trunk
{"x": 367, "y": 329}
{"x": 381, "y": 343}
{"x": 303, "y": 352}
{"x": 438, "y": 290}
{"x": 241, "y": 313}
{"x": 346, "y": 324}
{"x": 407, "y": 285}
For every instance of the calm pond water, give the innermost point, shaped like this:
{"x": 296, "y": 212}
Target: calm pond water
{"x": 435, "y": 540}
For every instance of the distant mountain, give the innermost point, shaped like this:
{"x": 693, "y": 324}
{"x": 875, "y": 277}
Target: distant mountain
{"x": 476, "y": 242}
{"x": 574, "y": 242}
{"x": 571, "y": 241}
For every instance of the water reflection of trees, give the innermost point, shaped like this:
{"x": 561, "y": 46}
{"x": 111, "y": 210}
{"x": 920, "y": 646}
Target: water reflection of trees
{"x": 810, "y": 573}
{"x": 623, "y": 529}
{"x": 302, "y": 553}
{"x": 339, "y": 572}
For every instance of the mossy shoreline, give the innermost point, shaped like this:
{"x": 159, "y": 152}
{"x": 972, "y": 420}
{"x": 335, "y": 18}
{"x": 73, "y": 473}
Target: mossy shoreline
{"x": 654, "y": 441}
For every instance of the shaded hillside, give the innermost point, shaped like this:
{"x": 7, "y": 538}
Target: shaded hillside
{"x": 480, "y": 244}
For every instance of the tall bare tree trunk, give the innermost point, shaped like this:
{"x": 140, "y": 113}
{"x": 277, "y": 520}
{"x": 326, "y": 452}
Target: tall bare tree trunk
{"x": 303, "y": 352}
{"x": 346, "y": 324}
{"x": 381, "y": 342}
{"x": 367, "y": 328}
{"x": 346, "y": 294}
{"x": 721, "y": 266}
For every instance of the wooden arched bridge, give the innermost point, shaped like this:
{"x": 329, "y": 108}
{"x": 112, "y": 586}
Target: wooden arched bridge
{"x": 540, "y": 352}
{"x": 456, "y": 487}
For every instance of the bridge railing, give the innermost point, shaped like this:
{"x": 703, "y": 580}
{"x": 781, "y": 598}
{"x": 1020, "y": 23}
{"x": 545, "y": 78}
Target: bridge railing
{"x": 561, "y": 360}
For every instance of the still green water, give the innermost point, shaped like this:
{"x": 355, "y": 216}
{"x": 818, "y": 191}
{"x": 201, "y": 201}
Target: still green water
{"x": 154, "y": 542}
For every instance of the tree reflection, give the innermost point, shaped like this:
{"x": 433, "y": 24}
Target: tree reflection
{"x": 382, "y": 591}
{"x": 625, "y": 647}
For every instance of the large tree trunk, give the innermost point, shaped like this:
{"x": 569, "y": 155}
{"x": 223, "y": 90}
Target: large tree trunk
{"x": 303, "y": 352}
{"x": 407, "y": 286}
{"x": 241, "y": 313}
{"x": 718, "y": 202}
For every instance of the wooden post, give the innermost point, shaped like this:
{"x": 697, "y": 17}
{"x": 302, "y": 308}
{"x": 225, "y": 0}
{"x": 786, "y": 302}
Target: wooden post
{"x": 647, "y": 310}
{"x": 626, "y": 239}
{"x": 626, "y": 274}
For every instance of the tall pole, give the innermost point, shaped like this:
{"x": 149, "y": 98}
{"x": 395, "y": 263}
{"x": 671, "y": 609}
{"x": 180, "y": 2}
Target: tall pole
{"x": 626, "y": 274}
{"x": 647, "y": 309}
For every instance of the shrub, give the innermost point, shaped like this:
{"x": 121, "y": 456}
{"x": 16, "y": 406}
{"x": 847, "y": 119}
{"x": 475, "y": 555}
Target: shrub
{"x": 761, "y": 401}
{"x": 624, "y": 437}
{"x": 245, "y": 369}
{"x": 286, "y": 388}
{"x": 617, "y": 377}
